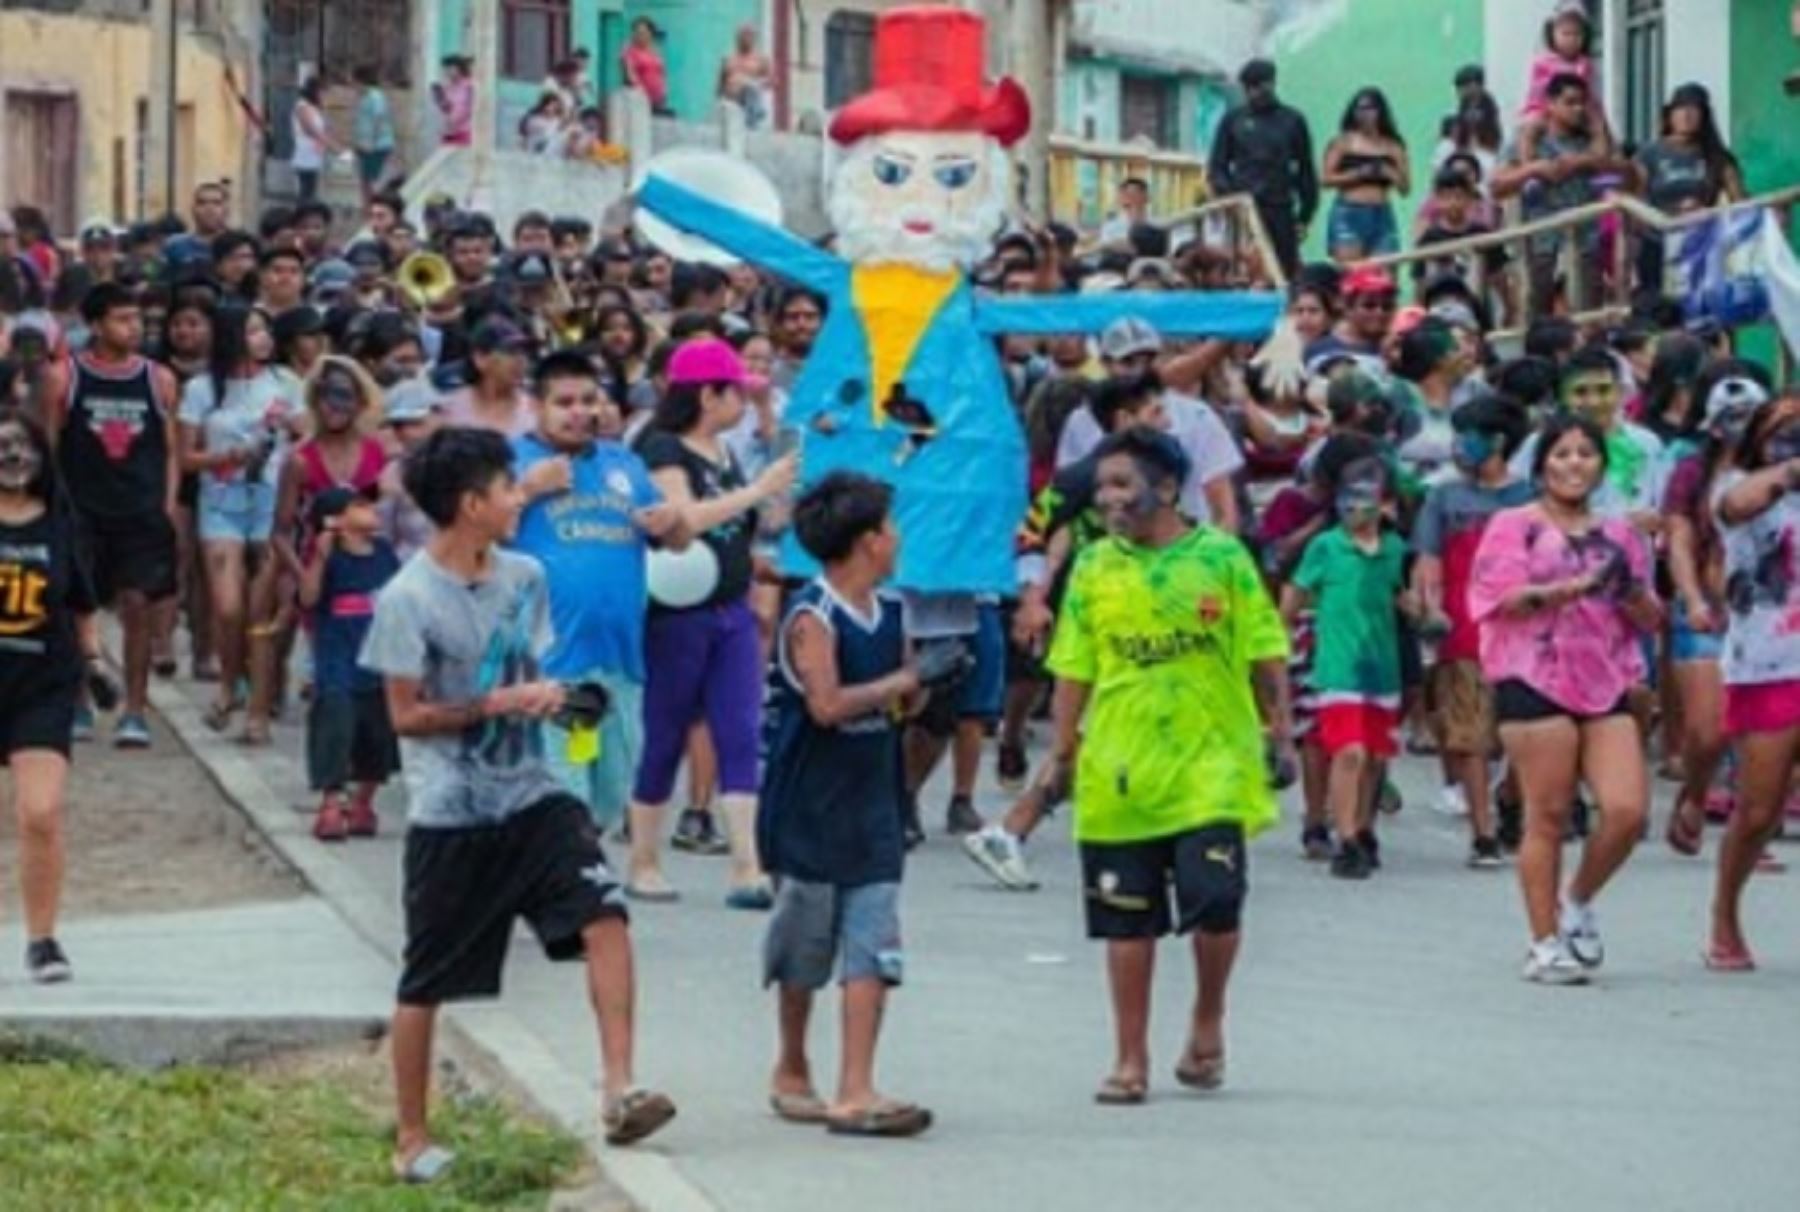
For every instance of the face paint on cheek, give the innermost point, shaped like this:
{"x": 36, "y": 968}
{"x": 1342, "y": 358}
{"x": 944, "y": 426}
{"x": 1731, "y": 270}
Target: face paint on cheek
{"x": 19, "y": 462}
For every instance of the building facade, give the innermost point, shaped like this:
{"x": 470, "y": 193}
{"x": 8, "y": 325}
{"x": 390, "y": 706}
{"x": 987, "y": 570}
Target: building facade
{"x": 76, "y": 94}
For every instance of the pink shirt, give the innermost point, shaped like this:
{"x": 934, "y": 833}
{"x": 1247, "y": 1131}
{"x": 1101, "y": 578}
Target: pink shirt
{"x": 457, "y": 104}
{"x": 652, "y": 75}
{"x": 1546, "y": 66}
{"x": 1584, "y": 655}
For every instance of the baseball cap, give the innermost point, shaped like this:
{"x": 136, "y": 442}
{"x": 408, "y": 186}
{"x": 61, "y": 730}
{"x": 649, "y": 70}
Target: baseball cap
{"x": 410, "y": 400}
{"x": 1734, "y": 397}
{"x": 710, "y": 361}
{"x": 1127, "y": 336}
{"x": 1367, "y": 280}
{"x": 496, "y": 334}
{"x": 39, "y": 322}
{"x": 1352, "y": 389}
{"x": 532, "y": 269}
{"x": 1153, "y": 267}
{"x": 332, "y": 275}
{"x": 97, "y": 232}
{"x": 336, "y": 499}
{"x": 367, "y": 254}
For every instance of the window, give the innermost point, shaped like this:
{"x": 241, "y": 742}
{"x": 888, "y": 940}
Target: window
{"x": 1645, "y": 67}
{"x": 534, "y": 35}
{"x": 1147, "y": 110}
{"x": 849, "y": 56}
{"x": 375, "y": 33}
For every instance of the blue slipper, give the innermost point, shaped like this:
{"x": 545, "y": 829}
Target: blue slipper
{"x": 425, "y": 1167}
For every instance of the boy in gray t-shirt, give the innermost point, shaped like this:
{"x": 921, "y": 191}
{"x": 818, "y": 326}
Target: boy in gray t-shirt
{"x": 493, "y": 837}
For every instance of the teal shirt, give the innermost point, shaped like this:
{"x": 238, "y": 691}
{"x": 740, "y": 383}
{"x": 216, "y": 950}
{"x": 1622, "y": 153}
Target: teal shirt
{"x": 374, "y": 129}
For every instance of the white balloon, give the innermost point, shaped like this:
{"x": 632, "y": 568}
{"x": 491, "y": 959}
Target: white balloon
{"x": 679, "y": 579}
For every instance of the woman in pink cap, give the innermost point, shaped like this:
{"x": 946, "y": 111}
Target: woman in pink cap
{"x": 700, "y": 645}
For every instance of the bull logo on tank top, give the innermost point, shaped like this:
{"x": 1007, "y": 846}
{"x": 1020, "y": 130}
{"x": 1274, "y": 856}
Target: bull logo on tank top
{"x": 117, "y": 421}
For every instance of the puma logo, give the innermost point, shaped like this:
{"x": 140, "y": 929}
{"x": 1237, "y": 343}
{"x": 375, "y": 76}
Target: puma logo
{"x": 1225, "y": 856}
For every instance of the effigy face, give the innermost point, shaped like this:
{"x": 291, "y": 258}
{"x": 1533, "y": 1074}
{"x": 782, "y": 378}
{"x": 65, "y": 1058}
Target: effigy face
{"x": 923, "y": 198}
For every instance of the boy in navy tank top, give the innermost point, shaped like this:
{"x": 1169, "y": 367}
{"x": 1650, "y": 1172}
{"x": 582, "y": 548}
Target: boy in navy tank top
{"x": 829, "y": 828}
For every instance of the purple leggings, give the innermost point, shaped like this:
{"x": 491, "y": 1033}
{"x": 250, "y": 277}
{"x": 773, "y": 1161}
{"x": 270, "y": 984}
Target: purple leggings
{"x": 704, "y": 663}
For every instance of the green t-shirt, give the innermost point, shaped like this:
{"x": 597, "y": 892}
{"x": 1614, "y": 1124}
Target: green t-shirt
{"x": 1166, "y": 638}
{"x": 1353, "y": 592}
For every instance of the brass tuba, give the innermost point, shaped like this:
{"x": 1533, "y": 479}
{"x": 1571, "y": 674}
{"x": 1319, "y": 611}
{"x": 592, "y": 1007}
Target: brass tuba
{"x": 425, "y": 280}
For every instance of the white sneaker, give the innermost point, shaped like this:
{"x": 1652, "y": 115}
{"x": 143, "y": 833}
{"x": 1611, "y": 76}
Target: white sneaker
{"x": 1451, "y": 801}
{"x": 998, "y": 853}
{"x": 1550, "y": 963}
{"x": 1581, "y": 930}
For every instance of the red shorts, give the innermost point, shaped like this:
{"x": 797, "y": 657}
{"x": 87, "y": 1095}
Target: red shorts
{"x": 1768, "y": 707}
{"x": 1347, "y": 724}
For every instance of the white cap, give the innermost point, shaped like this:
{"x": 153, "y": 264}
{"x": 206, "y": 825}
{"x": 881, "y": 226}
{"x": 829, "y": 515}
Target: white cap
{"x": 1127, "y": 336}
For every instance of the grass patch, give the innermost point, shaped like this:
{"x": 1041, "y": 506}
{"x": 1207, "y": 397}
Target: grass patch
{"x": 79, "y": 1136}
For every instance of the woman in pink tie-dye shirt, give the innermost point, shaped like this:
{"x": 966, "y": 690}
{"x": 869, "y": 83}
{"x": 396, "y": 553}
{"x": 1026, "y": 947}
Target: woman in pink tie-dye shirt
{"x": 1562, "y": 598}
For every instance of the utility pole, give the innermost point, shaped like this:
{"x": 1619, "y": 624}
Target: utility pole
{"x": 484, "y": 47}
{"x": 1034, "y": 41}
{"x": 163, "y": 102}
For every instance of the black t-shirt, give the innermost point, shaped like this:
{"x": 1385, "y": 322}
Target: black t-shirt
{"x": 42, "y": 589}
{"x": 730, "y": 541}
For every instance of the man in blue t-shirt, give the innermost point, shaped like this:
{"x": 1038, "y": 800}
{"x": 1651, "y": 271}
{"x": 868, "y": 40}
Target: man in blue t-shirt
{"x": 591, "y": 506}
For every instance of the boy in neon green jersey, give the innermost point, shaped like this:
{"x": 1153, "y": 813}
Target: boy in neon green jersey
{"x": 1169, "y": 645}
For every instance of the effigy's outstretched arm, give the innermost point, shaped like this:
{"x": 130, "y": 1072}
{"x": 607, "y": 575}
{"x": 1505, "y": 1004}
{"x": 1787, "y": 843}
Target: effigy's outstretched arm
{"x": 761, "y": 244}
{"x": 1229, "y": 315}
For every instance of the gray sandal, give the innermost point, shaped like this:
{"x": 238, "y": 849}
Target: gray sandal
{"x": 424, "y": 1167}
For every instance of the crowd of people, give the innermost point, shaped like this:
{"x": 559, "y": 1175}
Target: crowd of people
{"x": 514, "y": 534}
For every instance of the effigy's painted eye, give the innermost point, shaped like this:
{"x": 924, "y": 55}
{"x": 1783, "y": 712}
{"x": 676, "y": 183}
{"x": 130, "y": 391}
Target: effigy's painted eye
{"x": 890, "y": 171}
{"x": 956, "y": 174}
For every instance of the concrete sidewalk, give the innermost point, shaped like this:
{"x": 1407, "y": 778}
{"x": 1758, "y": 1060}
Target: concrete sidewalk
{"x": 1384, "y": 1053}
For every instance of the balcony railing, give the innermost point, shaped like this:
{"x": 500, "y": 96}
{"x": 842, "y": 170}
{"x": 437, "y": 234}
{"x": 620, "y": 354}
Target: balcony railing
{"x": 1084, "y": 175}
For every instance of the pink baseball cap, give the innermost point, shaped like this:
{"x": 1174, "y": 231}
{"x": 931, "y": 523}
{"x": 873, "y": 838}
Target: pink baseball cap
{"x": 711, "y": 361}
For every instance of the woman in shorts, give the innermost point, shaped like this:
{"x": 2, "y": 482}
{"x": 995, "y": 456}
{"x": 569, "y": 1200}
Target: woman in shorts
{"x": 237, "y": 421}
{"x": 1562, "y": 597}
{"x": 1758, "y": 509}
{"x": 1367, "y": 165}
{"x": 47, "y": 618}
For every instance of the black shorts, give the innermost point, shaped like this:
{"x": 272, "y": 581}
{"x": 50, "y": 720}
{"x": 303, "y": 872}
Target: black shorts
{"x": 37, "y": 720}
{"x": 349, "y": 740}
{"x": 133, "y": 554}
{"x": 1515, "y": 702}
{"x": 1127, "y": 885}
{"x": 464, "y": 888}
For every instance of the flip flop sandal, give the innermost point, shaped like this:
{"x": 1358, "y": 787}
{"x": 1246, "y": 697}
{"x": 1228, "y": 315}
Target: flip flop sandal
{"x": 425, "y": 1166}
{"x": 1717, "y": 959}
{"x": 1770, "y": 863}
{"x": 164, "y": 667}
{"x": 255, "y": 736}
{"x": 892, "y": 1120}
{"x": 663, "y": 895}
{"x": 1685, "y": 835}
{"x": 218, "y": 715}
{"x": 798, "y": 1108}
{"x": 1116, "y": 1092}
{"x": 635, "y": 1115}
{"x": 754, "y": 898}
{"x": 1198, "y": 1072}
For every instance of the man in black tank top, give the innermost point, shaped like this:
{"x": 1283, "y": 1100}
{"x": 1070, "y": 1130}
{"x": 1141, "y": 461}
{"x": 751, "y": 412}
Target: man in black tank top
{"x": 111, "y": 413}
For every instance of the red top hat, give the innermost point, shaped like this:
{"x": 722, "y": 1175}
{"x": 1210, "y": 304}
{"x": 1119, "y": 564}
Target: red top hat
{"x": 928, "y": 76}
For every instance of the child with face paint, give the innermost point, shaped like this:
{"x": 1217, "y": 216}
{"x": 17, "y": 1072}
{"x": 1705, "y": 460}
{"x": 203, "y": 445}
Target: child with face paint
{"x": 341, "y": 400}
{"x": 1354, "y": 574}
{"x": 1446, "y": 534}
{"x": 47, "y": 609}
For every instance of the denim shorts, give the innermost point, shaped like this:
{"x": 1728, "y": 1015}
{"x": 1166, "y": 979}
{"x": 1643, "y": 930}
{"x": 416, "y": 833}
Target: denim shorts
{"x": 984, "y": 693}
{"x": 236, "y": 512}
{"x": 816, "y": 927}
{"x": 1368, "y": 226}
{"x": 604, "y": 784}
{"x": 1686, "y": 644}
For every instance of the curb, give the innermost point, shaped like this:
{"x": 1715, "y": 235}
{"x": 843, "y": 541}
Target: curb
{"x": 491, "y": 1038}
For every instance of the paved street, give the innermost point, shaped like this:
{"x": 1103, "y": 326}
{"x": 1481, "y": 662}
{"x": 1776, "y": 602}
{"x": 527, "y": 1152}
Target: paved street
{"x": 1384, "y": 1053}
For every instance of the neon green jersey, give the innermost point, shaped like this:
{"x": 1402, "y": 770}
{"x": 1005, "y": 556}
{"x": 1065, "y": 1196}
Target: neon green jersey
{"x": 1166, "y": 638}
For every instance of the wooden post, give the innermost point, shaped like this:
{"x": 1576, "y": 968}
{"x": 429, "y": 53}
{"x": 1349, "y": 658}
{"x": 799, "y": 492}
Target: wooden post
{"x": 160, "y": 186}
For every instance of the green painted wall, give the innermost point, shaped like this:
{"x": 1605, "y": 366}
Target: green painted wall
{"x": 1763, "y": 117}
{"x": 1410, "y": 49}
{"x": 696, "y": 36}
